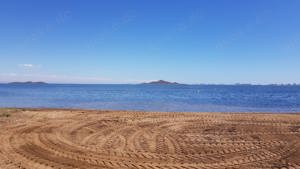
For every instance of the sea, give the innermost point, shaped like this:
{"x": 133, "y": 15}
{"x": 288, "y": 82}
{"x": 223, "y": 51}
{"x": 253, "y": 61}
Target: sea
{"x": 167, "y": 98}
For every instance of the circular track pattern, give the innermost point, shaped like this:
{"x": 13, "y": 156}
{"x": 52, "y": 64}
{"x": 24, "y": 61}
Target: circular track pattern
{"x": 69, "y": 139}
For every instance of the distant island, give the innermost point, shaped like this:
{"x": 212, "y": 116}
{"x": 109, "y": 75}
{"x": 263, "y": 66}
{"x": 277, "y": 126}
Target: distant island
{"x": 162, "y": 82}
{"x": 28, "y": 83}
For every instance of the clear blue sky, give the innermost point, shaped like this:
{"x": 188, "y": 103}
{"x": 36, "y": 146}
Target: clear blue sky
{"x": 194, "y": 41}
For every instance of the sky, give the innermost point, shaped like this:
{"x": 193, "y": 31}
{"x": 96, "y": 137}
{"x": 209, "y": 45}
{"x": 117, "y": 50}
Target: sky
{"x": 132, "y": 41}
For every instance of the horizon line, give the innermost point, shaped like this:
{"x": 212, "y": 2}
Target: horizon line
{"x": 145, "y": 83}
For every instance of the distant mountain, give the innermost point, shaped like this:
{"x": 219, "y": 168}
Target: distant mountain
{"x": 162, "y": 82}
{"x": 28, "y": 83}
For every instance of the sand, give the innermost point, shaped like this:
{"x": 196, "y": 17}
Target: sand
{"x": 85, "y": 139}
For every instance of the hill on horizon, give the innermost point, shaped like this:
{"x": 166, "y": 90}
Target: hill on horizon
{"x": 162, "y": 82}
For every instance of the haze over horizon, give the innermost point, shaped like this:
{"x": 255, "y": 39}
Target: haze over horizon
{"x": 212, "y": 42}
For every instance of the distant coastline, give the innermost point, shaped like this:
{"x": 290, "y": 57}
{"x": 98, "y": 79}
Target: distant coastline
{"x": 158, "y": 82}
{"x": 28, "y": 83}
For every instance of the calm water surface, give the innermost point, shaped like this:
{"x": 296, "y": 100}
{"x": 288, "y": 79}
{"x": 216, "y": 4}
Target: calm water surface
{"x": 209, "y": 98}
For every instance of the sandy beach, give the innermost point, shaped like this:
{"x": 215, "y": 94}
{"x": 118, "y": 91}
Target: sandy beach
{"x": 86, "y": 139}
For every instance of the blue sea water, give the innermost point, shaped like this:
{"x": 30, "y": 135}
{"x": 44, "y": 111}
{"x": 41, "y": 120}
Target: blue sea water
{"x": 177, "y": 98}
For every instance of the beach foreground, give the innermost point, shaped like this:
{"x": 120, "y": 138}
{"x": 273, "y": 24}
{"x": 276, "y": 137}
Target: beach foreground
{"x": 85, "y": 139}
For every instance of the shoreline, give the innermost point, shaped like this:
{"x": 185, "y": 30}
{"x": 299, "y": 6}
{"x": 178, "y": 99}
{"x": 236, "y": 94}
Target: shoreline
{"x": 141, "y": 111}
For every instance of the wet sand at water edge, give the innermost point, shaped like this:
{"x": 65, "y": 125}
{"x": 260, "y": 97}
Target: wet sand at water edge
{"x": 90, "y": 139}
